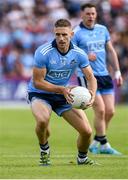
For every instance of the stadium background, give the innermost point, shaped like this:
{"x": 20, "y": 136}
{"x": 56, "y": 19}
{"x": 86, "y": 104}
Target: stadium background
{"x": 24, "y": 25}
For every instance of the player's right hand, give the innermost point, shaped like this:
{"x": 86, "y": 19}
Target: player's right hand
{"x": 92, "y": 56}
{"x": 67, "y": 94}
{"x": 91, "y": 101}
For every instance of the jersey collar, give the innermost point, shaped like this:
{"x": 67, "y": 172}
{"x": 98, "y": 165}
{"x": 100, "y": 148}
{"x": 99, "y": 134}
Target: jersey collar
{"x": 54, "y": 44}
{"x": 83, "y": 26}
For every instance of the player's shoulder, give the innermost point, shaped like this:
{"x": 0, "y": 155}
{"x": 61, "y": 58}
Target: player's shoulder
{"x": 77, "y": 29}
{"x": 100, "y": 26}
{"x": 78, "y": 50}
{"x": 45, "y": 48}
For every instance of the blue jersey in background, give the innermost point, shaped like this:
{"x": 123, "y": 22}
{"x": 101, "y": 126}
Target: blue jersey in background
{"x": 93, "y": 41}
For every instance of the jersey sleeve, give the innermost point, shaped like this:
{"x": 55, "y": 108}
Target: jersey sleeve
{"x": 107, "y": 35}
{"x": 75, "y": 38}
{"x": 39, "y": 59}
{"x": 84, "y": 61}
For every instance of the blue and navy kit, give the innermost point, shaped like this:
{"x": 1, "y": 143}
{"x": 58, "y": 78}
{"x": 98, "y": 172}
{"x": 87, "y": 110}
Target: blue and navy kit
{"x": 60, "y": 67}
{"x": 94, "y": 41}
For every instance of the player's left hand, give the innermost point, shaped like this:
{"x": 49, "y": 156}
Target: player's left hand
{"x": 90, "y": 102}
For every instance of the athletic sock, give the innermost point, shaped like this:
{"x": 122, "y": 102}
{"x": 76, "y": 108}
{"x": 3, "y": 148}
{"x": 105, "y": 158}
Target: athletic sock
{"x": 105, "y": 146}
{"x": 45, "y": 148}
{"x": 94, "y": 143}
{"x": 82, "y": 156}
{"x": 101, "y": 139}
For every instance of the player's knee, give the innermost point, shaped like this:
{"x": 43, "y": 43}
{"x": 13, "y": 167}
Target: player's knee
{"x": 100, "y": 113}
{"x": 87, "y": 132}
{"x": 42, "y": 121}
{"x": 110, "y": 112}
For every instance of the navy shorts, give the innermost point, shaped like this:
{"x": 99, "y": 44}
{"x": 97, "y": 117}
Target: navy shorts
{"x": 57, "y": 102}
{"x": 104, "y": 84}
{"x": 82, "y": 81}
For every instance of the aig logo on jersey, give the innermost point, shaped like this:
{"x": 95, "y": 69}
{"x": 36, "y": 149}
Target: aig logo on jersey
{"x": 59, "y": 74}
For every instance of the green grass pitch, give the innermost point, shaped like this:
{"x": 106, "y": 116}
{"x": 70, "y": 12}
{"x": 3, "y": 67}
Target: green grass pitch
{"x": 19, "y": 150}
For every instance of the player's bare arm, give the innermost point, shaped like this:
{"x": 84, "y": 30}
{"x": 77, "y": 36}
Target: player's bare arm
{"x": 92, "y": 83}
{"x": 115, "y": 63}
{"x": 41, "y": 83}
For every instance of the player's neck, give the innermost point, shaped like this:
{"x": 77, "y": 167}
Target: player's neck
{"x": 64, "y": 50}
{"x": 89, "y": 26}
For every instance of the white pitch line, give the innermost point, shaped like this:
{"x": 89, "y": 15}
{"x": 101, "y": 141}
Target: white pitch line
{"x": 34, "y": 156}
{"x": 60, "y": 156}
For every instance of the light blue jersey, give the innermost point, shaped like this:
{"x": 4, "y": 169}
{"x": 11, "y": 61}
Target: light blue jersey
{"x": 59, "y": 66}
{"x": 93, "y": 40}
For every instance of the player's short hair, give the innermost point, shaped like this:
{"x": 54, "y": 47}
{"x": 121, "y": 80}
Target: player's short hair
{"x": 87, "y": 5}
{"x": 62, "y": 23}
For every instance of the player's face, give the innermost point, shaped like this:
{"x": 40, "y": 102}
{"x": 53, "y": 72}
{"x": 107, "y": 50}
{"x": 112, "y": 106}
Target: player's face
{"x": 89, "y": 16}
{"x": 63, "y": 36}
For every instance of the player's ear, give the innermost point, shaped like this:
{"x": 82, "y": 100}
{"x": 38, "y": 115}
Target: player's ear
{"x": 54, "y": 29}
{"x": 72, "y": 33}
{"x": 96, "y": 14}
{"x": 81, "y": 14}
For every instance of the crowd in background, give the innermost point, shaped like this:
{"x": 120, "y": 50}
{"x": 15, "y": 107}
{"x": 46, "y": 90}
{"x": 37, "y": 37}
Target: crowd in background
{"x": 26, "y": 24}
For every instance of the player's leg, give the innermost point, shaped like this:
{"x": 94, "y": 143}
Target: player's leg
{"x": 104, "y": 110}
{"x": 79, "y": 121}
{"x": 42, "y": 112}
{"x": 109, "y": 102}
{"x": 99, "y": 115}
{"x": 99, "y": 124}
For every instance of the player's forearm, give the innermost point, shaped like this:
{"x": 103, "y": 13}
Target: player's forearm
{"x": 92, "y": 84}
{"x": 114, "y": 61}
{"x": 114, "y": 58}
{"x": 91, "y": 80}
{"x": 115, "y": 65}
{"x": 46, "y": 86}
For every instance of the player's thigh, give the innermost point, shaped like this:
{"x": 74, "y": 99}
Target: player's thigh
{"x": 99, "y": 106}
{"x": 41, "y": 110}
{"x": 78, "y": 119}
{"x": 109, "y": 101}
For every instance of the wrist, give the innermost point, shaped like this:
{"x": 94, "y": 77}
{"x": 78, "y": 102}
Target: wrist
{"x": 61, "y": 89}
{"x": 117, "y": 74}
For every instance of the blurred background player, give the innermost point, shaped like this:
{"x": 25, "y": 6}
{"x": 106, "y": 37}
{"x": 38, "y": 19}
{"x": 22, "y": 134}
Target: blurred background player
{"x": 94, "y": 39}
{"x": 54, "y": 63}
